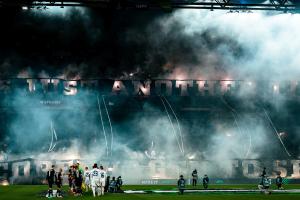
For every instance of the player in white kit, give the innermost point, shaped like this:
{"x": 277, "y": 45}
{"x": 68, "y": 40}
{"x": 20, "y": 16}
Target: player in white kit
{"x": 87, "y": 179}
{"x": 95, "y": 180}
{"x": 103, "y": 176}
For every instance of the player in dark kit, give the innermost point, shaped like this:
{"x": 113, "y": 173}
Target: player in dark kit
{"x": 181, "y": 184}
{"x": 50, "y": 179}
{"x": 194, "y": 178}
{"x": 70, "y": 178}
{"x": 119, "y": 184}
{"x": 107, "y": 182}
{"x": 265, "y": 185}
{"x": 263, "y": 175}
{"x": 73, "y": 172}
{"x": 205, "y": 181}
{"x": 78, "y": 181}
{"x": 112, "y": 185}
{"x": 279, "y": 181}
{"x": 58, "y": 181}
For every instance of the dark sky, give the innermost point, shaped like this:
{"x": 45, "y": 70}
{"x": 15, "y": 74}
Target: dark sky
{"x": 94, "y": 42}
{"x": 101, "y": 43}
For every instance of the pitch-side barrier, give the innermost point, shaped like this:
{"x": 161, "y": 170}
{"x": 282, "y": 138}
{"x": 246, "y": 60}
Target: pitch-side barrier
{"x": 209, "y": 191}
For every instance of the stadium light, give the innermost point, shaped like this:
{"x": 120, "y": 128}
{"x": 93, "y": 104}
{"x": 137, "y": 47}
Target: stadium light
{"x": 110, "y": 169}
{"x": 228, "y": 134}
{"x": 4, "y": 183}
{"x": 25, "y": 8}
{"x": 191, "y": 157}
{"x": 282, "y": 134}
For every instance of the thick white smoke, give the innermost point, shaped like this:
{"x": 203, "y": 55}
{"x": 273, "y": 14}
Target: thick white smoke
{"x": 268, "y": 44}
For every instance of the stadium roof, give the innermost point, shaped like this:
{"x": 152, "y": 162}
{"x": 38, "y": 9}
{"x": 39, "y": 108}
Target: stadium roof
{"x": 275, "y": 5}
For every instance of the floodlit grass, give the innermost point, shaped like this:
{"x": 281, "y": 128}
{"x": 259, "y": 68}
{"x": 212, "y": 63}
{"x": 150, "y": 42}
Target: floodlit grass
{"x": 21, "y": 192}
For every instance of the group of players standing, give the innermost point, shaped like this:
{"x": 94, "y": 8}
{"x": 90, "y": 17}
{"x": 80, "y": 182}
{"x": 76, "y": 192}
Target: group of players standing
{"x": 98, "y": 180}
{"x": 95, "y": 179}
{"x": 181, "y": 181}
{"x": 265, "y": 182}
{"x": 205, "y": 179}
{"x": 54, "y": 178}
{"x": 263, "y": 186}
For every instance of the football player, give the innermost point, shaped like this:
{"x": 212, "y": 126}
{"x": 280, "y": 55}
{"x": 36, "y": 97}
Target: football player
{"x": 205, "y": 181}
{"x": 181, "y": 184}
{"x": 103, "y": 176}
{"x": 279, "y": 182}
{"x": 119, "y": 183}
{"x": 107, "y": 184}
{"x": 112, "y": 185}
{"x": 264, "y": 185}
{"x": 95, "y": 179}
{"x": 78, "y": 181}
{"x": 87, "y": 180}
{"x": 70, "y": 178}
{"x": 58, "y": 180}
{"x": 50, "y": 179}
{"x": 194, "y": 178}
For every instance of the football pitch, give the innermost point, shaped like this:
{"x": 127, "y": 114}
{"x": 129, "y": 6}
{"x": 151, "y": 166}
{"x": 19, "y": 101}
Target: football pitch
{"x": 32, "y": 192}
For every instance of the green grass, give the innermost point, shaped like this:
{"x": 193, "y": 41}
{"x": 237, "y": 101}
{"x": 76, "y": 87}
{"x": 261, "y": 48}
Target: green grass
{"x": 28, "y": 192}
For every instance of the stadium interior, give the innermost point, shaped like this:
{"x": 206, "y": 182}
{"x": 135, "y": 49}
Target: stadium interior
{"x": 150, "y": 89}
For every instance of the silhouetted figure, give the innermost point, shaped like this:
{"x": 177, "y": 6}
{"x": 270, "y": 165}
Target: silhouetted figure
{"x": 279, "y": 182}
{"x": 263, "y": 175}
{"x": 112, "y": 185}
{"x": 70, "y": 178}
{"x": 194, "y": 178}
{"x": 264, "y": 185}
{"x": 51, "y": 180}
{"x": 78, "y": 181}
{"x": 107, "y": 184}
{"x": 119, "y": 184}
{"x": 181, "y": 184}
{"x": 205, "y": 181}
{"x": 58, "y": 180}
